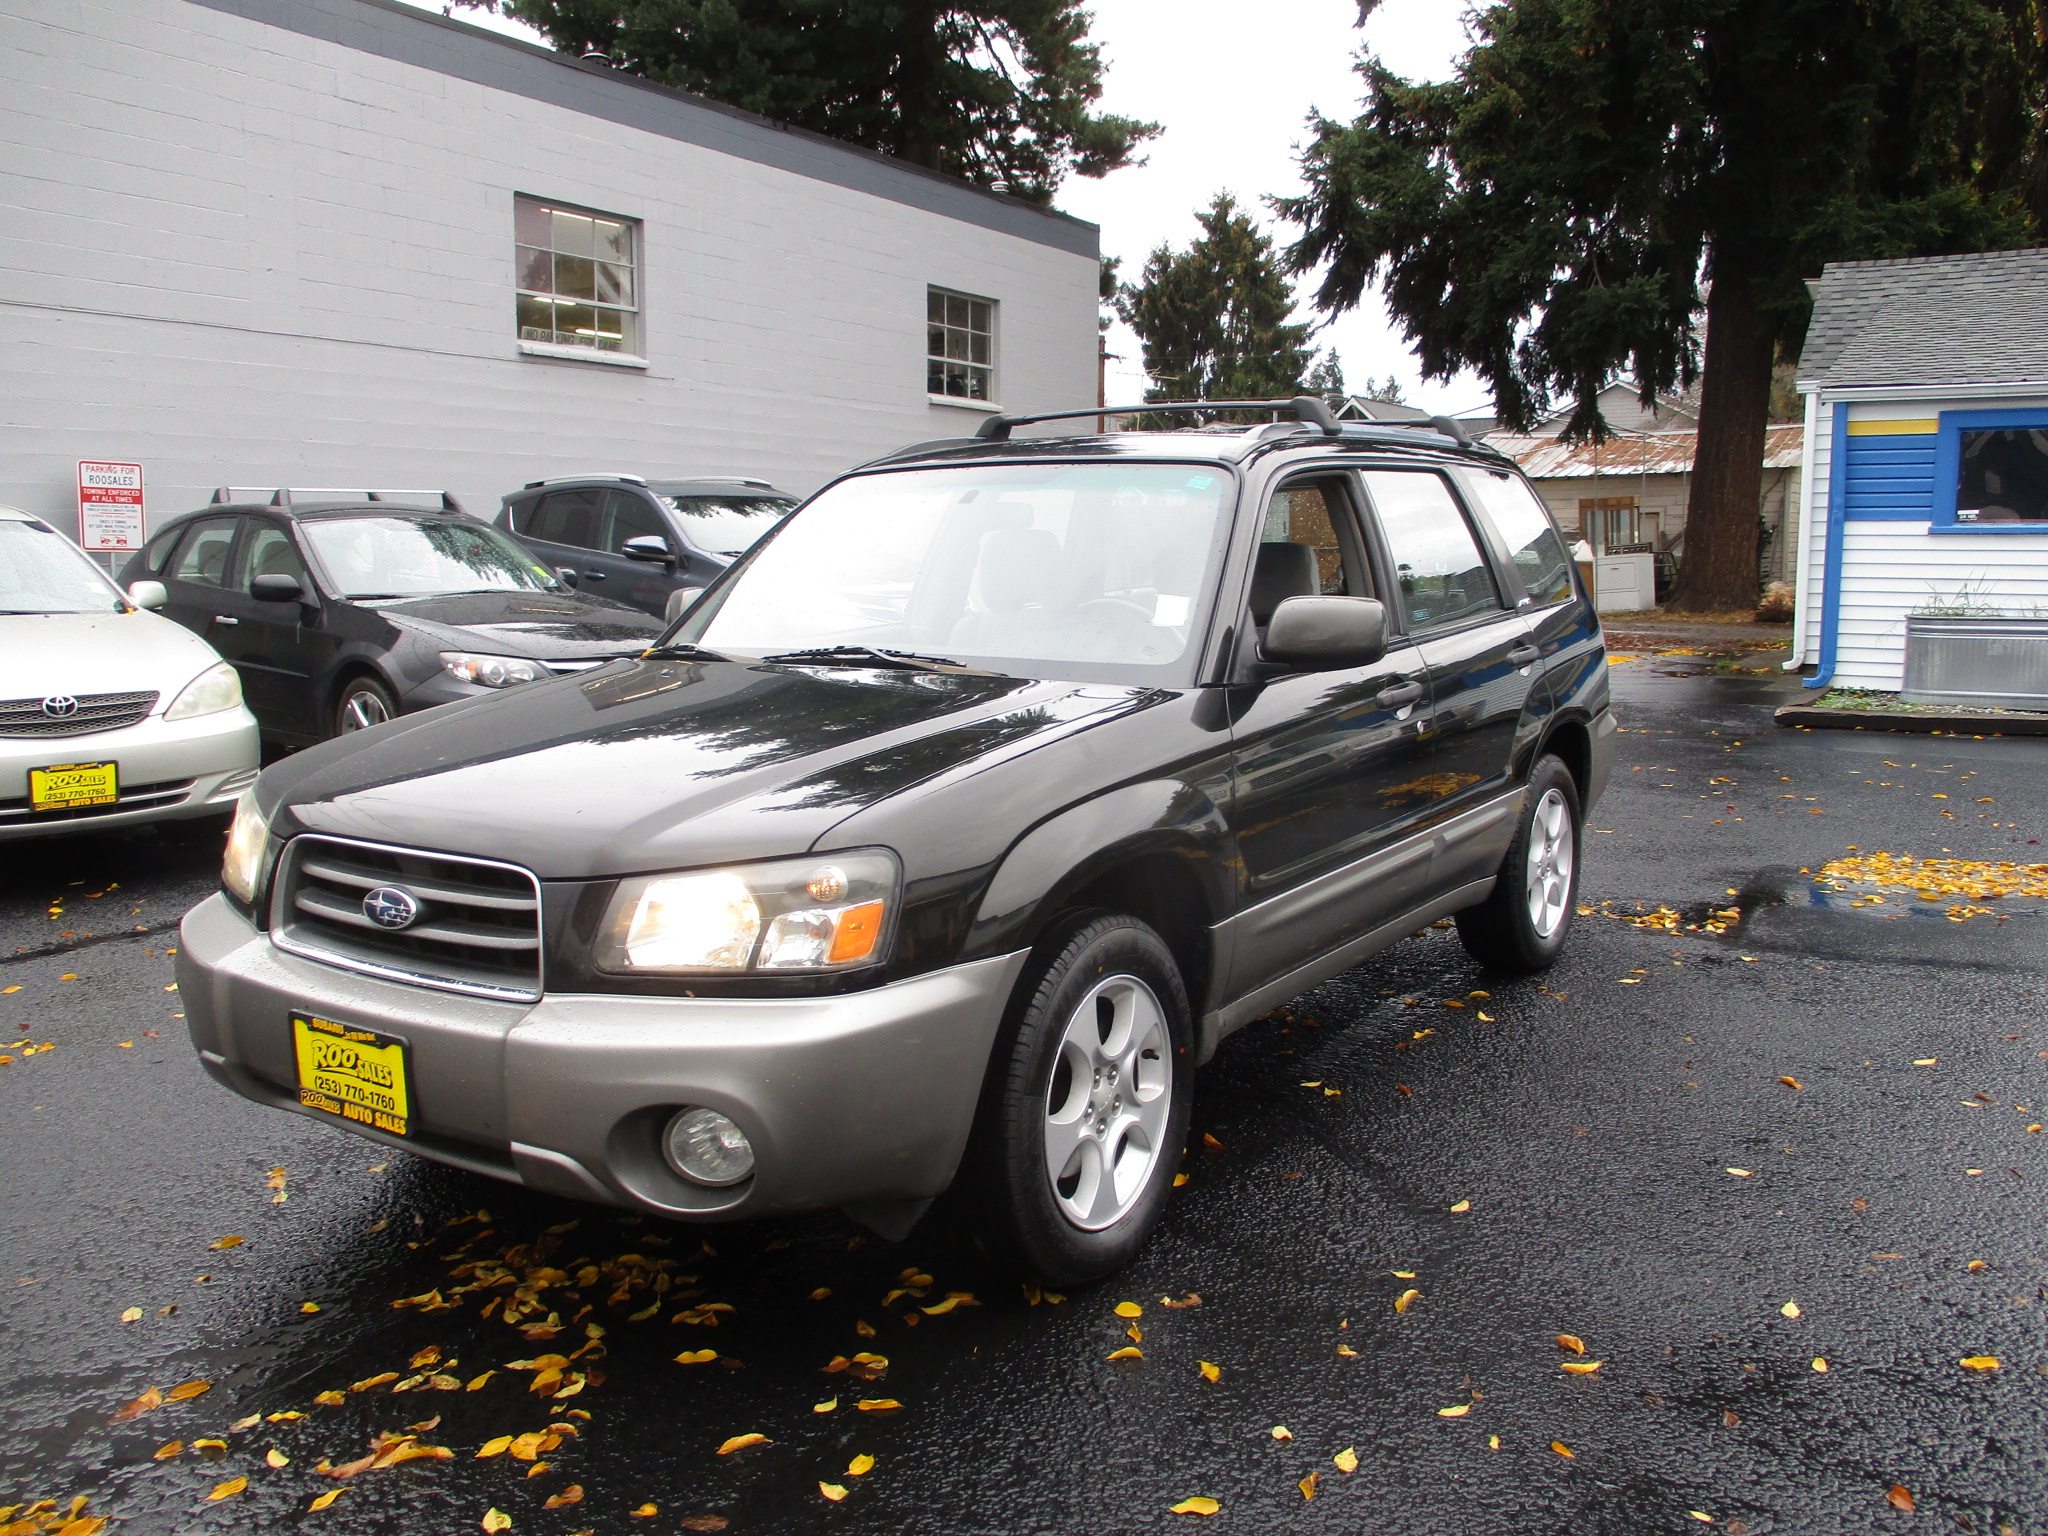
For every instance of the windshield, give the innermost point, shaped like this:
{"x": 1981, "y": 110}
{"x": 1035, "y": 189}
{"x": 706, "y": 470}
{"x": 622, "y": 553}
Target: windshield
{"x": 413, "y": 557}
{"x": 41, "y": 571}
{"x": 728, "y": 525}
{"x": 1089, "y": 570}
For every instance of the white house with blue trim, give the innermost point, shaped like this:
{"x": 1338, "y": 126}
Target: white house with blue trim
{"x": 1926, "y": 464}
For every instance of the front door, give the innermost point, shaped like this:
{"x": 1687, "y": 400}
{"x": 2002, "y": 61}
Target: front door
{"x": 1478, "y": 648}
{"x": 198, "y": 575}
{"x": 1331, "y": 768}
{"x": 280, "y": 649}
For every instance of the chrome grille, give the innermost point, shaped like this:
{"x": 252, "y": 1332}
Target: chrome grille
{"x": 477, "y": 928}
{"x": 94, "y": 712}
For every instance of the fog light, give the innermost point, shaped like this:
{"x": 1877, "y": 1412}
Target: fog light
{"x": 707, "y": 1148}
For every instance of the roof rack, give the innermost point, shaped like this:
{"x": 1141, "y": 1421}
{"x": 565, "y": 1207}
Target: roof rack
{"x": 1310, "y": 409}
{"x": 596, "y": 474}
{"x": 291, "y": 495}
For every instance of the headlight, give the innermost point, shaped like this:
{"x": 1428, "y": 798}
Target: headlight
{"x": 215, "y": 689}
{"x": 492, "y": 671}
{"x": 828, "y": 913}
{"x": 241, "y": 868}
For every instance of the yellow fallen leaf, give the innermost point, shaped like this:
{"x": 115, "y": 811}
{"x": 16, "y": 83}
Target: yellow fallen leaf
{"x": 573, "y": 1494}
{"x": 210, "y": 1445}
{"x": 323, "y": 1500}
{"x": 1179, "y": 1179}
{"x": 647, "y": 1511}
{"x": 1282, "y": 1432}
{"x": 289, "y": 1416}
{"x": 1493, "y": 1442}
{"x": 833, "y": 1491}
{"x": 741, "y": 1442}
{"x": 1196, "y": 1506}
{"x": 1579, "y": 1367}
{"x": 826, "y": 1406}
{"x": 309, "y": 1307}
{"x": 696, "y": 1356}
{"x": 1791, "y": 1082}
{"x": 330, "y": 1399}
{"x": 1210, "y": 1372}
{"x": 1791, "y": 1309}
{"x": 1128, "y": 1352}
{"x": 1561, "y": 1448}
{"x": 184, "y": 1391}
{"x": 1926, "y": 1061}
{"x": 227, "y": 1490}
{"x": 373, "y": 1381}
{"x": 496, "y": 1447}
{"x": 1135, "y": 1334}
{"x": 231, "y": 1241}
{"x": 860, "y": 1466}
{"x": 1701, "y": 1515}
{"x": 496, "y": 1520}
{"x": 476, "y": 1383}
{"x": 821, "y": 1293}
{"x": 1899, "y": 1497}
{"x": 1979, "y": 1362}
{"x": 1346, "y": 1459}
{"x": 1740, "y": 1173}
{"x": 1455, "y": 1411}
{"x": 1402, "y": 1274}
{"x": 1461, "y": 1207}
{"x": 1347, "y": 1351}
{"x": 877, "y": 1404}
{"x": 1308, "y": 1485}
{"x": 276, "y": 1458}
{"x": 1820, "y": 1365}
{"x": 1402, "y": 1301}
{"x": 1572, "y": 1342}
{"x": 1129, "y": 1309}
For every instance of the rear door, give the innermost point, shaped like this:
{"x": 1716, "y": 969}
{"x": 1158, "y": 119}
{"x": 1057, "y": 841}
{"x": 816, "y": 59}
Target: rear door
{"x": 1480, "y": 656}
{"x": 1331, "y": 768}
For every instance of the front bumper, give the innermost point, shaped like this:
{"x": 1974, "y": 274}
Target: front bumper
{"x": 858, "y": 1099}
{"x": 167, "y": 769}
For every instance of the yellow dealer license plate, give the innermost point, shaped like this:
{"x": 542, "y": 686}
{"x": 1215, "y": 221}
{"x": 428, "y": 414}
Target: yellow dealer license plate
{"x": 68, "y": 786}
{"x": 355, "y": 1073}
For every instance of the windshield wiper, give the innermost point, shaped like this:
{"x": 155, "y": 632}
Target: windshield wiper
{"x": 681, "y": 650}
{"x": 864, "y": 656}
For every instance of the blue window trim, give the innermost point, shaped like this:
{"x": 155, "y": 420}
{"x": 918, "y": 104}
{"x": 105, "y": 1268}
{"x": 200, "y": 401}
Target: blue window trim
{"x": 1948, "y": 463}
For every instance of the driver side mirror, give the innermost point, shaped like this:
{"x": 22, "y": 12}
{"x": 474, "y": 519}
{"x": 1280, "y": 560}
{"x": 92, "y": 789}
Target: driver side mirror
{"x": 679, "y": 602}
{"x": 276, "y": 589}
{"x": 1322, "y": 634}
{"x": 651, "y": 547}
{"x": 148, "y": 594}
{"x": 567, "y": 577}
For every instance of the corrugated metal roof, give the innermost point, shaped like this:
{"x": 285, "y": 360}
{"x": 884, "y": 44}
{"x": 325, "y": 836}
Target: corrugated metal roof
{"x": 1980, "y": 318}
{"x": 1652, "y": 453}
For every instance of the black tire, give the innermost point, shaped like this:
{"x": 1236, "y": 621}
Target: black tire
{"x": 1034, "y": 1216}
{"x": 362, "y": 703}
{"x": 1504, "y": 931}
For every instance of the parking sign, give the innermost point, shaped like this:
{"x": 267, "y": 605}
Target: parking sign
{"x": 109, "y": 506}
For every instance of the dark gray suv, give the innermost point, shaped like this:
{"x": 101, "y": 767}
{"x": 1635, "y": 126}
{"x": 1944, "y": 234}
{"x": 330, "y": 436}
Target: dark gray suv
{"x": 635, "y": 541}
{"x": 940, "y": 840}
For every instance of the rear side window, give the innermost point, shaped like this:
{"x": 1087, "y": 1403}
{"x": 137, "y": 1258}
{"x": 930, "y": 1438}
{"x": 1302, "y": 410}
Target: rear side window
{"x": 203, "y": 556}
{"x": 1531, "y": 538}
{"x": 1443, "y": 577}
{"x": 568, "y": 517}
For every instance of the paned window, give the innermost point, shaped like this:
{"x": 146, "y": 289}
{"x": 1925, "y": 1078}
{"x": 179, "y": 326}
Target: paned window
{"x": 578, "y": 278}
{"x": 2003, "y": 475}
{"x": 1524, "y": 525}
{"x": 960, "y": 345}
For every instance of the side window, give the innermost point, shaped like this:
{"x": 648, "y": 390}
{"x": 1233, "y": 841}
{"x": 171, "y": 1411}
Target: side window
{"x": 1524, "y": 525}
{"x": 1308, "y": 547}
{"x": 1442, "y": 574}
{"x": 202, "y": 557}
{"x": 629, "y": 517}
{"x": 158, "y": 550}
{"x": 269, "y": 552}
{"x": 568, "y": 517}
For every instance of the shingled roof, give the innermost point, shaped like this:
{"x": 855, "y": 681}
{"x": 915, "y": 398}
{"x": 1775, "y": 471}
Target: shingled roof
{"x": 1980, "y": 318}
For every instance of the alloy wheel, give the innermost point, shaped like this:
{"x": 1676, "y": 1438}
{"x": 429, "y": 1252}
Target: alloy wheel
{"x": 1107, "y": 1105}
{"x": 360, "y": 711}
{"x": 1551, "y": 854}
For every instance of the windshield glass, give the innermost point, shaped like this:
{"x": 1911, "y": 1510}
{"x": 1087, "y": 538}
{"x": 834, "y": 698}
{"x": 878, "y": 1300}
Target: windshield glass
{"x": 1087, "y": 570}
{"x": 41, "y": 571}
{"x": 728, "y": 525}
{"x": 411, "y": 557}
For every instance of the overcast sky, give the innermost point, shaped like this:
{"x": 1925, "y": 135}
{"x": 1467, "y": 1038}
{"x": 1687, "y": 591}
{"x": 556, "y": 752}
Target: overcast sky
{"x": 1233, "y": 85}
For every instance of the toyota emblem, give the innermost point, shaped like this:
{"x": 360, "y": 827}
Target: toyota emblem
{"x": 60, "y": 706}
{"x": 389, "y": 907}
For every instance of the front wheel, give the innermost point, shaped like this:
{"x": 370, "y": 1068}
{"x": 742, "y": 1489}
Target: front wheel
{"x": 1081, "y": 1126}
{"x": 364, "y": 702}
{"x": 1522, "y": 926}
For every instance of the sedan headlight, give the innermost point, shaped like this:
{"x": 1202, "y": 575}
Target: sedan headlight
{"x": 492, "y": 671}
{"x": 832, "y": 912}
{"x": 241, "y": 867}
{"x": 215, "y": 689}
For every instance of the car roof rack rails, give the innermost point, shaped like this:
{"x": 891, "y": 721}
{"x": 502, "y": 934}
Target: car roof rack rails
{"x": 1311, "y": 411}
{"x": 292, "y": 495}
{"x": 929, "y": 445}
{"x": 595, "y": 474}
{"x": 725, "y": 480}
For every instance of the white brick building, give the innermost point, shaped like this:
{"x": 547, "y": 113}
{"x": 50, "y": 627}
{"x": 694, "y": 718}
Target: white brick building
{"x": 269, "y": 242}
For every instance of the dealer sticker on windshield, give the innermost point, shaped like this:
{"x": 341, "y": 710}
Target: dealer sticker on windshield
{"x": 357, "y": 1074}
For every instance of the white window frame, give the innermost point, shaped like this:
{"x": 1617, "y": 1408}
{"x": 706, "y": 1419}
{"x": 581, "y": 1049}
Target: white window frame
{"x": 630, "y": 353}
{"x": 949, "y": 330}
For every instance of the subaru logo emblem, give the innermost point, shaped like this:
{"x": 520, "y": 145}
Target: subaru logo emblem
{"x": 389, "y": 907}
{"x": 60, "y": 706}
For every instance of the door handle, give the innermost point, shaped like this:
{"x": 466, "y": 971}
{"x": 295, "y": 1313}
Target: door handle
{"x": 1399, "y": 694}
{"x": 593, "y": 575}
{"x": 1522, "y": 655}
{"x": 224, "y": 618}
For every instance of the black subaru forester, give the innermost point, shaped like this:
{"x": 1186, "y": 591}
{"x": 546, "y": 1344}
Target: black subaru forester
{"x": 941, "y": 839}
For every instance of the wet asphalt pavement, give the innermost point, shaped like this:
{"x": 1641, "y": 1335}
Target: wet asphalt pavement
{"x": 1535, "y": 1158}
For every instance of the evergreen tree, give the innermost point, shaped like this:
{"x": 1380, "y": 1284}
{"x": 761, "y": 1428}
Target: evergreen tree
{"x": 1213, "y": 318}
{"x": 1549, "y": 216}
{"x": 1326, "y": 378}
{"x": 993, "y": 91}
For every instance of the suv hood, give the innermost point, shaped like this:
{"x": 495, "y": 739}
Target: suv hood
{"x": 652, "y": 765}
{"x": 99, "y": 653}
{"x": 541, "y": 625}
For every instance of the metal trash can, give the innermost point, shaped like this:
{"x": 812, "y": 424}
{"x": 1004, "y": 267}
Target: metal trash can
{"x": 1976, "y": 661}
